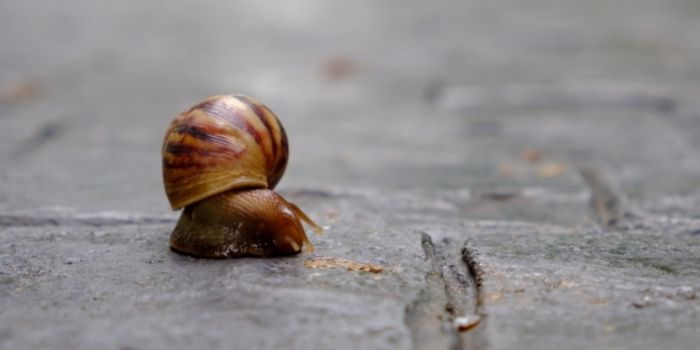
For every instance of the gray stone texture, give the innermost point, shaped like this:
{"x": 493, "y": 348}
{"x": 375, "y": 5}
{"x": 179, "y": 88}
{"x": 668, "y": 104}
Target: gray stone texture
{"x": 531, "y": 164}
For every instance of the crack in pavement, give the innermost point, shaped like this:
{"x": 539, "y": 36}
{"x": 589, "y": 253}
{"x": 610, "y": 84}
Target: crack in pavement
{"x": 445, "y": 314}
{"x": 581, "y": 94}
{"x": 82, "y": 220}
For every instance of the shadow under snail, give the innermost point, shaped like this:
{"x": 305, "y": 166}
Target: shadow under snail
{"x": 221, "y": 160}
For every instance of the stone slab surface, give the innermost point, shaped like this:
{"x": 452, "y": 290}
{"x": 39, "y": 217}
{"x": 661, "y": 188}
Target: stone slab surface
{"x": 526, "y": 173}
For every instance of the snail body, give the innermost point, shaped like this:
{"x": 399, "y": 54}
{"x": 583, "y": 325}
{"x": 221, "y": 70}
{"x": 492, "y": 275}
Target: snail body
{"x": 221, "y": 160}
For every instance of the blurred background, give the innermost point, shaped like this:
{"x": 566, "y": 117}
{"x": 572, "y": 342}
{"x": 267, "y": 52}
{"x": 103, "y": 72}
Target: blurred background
{"x": 416, "y": 95}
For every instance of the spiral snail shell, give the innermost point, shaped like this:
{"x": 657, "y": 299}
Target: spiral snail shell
{"x": 221, "y": 160}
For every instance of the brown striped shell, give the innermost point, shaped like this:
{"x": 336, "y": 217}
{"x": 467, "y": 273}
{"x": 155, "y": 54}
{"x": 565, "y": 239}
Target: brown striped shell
{"x": 222, "y": 143}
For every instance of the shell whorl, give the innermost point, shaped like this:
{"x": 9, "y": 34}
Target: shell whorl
{"x": 222, "y": 143}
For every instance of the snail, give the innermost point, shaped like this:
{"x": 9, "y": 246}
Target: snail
{"x": 221, "y": 160}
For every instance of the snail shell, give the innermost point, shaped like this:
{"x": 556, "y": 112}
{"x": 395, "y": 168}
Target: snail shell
{"x": 221, "y": 160}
